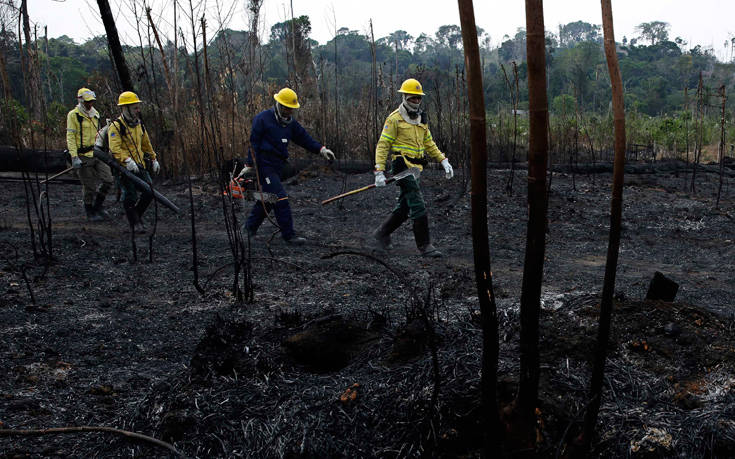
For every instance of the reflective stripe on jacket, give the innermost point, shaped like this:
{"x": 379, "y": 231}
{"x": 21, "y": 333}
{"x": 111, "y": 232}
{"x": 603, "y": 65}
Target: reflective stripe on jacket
{"x": 412, "y": 141}
{"x": 88, "y": 131}
{"x": 126, "y": 142}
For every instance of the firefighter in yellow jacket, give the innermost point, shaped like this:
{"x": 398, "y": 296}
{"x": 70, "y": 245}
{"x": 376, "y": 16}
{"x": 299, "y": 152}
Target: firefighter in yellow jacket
{"x": 406, "y": 139}
{"x": 130, "y": 145}
{"x": 82, "y": 124}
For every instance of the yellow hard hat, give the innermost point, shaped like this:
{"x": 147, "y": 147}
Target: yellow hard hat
{"x": 287, "y": 97}
{"x": 127, "y": 98}
{"x": 86, "y": 94}
{"x": 412, "y": 86}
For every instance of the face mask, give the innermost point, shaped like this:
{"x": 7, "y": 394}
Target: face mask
{"x": 282, "y": 120}
{"x": 130, "y": 115}
{"x": 81, "y": 106}
{"x": 410, "y": 106}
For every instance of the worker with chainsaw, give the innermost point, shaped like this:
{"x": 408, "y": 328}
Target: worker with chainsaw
{"x": 82, "y": 124}
{"x": 406, "y": 139}
{"x": 130, "y": 145}
{"x": 272, "y": 131}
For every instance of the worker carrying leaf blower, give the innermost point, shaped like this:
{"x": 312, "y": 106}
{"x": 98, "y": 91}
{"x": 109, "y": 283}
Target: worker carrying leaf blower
{"x": 407, "y": 139}
{"x": 130, "y": 145}
{"x": 82, "y": 124}
{"x": 272, "y": 130}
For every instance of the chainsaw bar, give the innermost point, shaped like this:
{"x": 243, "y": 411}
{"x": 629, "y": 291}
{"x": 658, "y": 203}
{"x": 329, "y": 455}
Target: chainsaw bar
{"x": 253, "y": 195}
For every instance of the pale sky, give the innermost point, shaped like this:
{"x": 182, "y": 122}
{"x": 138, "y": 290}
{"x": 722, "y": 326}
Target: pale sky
{"x": 705, "y": 22}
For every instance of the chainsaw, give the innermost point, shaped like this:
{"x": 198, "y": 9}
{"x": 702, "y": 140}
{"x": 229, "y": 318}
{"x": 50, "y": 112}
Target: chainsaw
{"x": 242, "y": 188}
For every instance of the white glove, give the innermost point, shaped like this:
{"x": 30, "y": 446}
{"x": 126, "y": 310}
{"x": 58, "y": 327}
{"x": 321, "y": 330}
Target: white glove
{"x": 76, "y": 163}
{"x": 327, "y": 153}
{"x": 130, "y": 165}
{"x": 379, "y": 178}
{"x": 245, "y": 171}
{"x": 156, "y": 166}
{"x": 448, "y": 171}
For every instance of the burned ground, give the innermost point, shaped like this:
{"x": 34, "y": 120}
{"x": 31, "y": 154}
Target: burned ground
{"x": 332, "y": 358}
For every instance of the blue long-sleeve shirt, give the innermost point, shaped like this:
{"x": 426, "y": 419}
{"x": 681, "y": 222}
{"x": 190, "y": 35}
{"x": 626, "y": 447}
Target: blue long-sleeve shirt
{"x": 269, "y": 140}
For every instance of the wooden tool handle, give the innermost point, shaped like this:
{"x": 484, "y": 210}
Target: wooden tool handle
{"x": 57, "y": 175}
{"x": 340, "y": 196}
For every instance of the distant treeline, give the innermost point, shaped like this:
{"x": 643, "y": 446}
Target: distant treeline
{"x": 347, "y": 85}
{"x": 655, "y": 69}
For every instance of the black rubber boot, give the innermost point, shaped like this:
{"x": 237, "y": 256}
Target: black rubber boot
{"x": 423, "y": 240}
{"x": 92, "y": 216}
{"x": 134, "y": 219}
{"x": 140, "y": 208}
{"x": 97, "y": 206}
{"x": 296, "y": 240}
{"x": 383, "y": 232}
{"x": 250, "y": 232}
{"x": 143, "y": 204}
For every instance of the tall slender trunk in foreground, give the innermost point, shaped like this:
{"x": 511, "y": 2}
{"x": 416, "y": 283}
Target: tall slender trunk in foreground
{"x": 481, "y": 249}
{"x": 113, "y": 41}
{"x": 538, "y": 147}
{"x": 616, "y": 211}
{"x": 686, "y": 131}
{"x": 699, "y": 133}
{"x": 723, "y": 95}
{"x": 32, "y": 69}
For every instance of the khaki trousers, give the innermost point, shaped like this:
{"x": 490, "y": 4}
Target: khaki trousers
{"x": 95, "y": 177}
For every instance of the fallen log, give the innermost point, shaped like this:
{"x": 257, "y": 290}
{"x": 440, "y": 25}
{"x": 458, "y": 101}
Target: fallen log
{"x": 12, "y": 160}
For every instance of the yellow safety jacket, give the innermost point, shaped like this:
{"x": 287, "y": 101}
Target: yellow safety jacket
{"x": 129, "y": 142}
{"x": 80, "y": 137}
{"x": 412, "y": 141}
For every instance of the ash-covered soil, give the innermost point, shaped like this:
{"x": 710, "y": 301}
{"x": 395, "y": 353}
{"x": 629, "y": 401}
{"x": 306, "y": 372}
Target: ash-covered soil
{"x": 333, "y": 359}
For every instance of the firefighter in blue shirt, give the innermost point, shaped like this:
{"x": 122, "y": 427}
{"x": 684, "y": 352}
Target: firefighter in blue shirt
{"x": 272, "y": 130}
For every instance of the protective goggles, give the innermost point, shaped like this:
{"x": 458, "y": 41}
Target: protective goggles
{"x": 87, "y": 96}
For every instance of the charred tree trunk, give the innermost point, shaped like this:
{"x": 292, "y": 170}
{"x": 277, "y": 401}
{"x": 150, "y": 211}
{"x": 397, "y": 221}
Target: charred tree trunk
{"x": 204, "y": 139}
{"x": 513, "y": 89}
{"x": 33, "y": 76}
{"x": 686, "y": 131}
{"x": 574, "y": 157}
{"x": 616, "y": 211}
{"x": 22, "y": 55}
{"x": 237, "y": 246}
{"x": 336, "y": 87}
{"x": 723, "y": 94}
{"x": 538, "y": 145}
{"x": 481, "y": 249}
{"x": 374, "y": 126}
{"x": 4, "y": 73}
{"x": 113, "y": 42}
{"x": 169, "y": 81}
{"x": 699, "y": 133}
{"x": 295, "y": 79}
{"x": 175, "y": 96}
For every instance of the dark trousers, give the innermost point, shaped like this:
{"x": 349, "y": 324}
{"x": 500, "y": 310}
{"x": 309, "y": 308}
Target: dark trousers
{"x": 131, "y": 196}
{"x": 411, "y": 200}
{"x": 270, "y": 181}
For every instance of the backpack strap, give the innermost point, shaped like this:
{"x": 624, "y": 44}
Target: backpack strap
{"x": 82, "y": 148}
{"x": 121, "y": 128}
{"x": 80, "y": 118}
